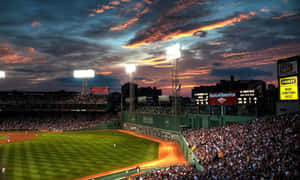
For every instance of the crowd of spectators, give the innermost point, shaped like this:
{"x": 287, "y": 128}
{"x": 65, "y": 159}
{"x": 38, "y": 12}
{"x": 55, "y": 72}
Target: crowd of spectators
{"x": 264, "y": 149}
{"x": 180, "y": 172}
{"x": 15, "y": 98}
{"x": 54, "y": 121}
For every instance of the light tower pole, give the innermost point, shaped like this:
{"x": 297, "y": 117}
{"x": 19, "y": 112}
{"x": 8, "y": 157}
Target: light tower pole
{"x": 173, "y": 54}
{"x": 85, "y": 75}
{"x": 130, "y": 69}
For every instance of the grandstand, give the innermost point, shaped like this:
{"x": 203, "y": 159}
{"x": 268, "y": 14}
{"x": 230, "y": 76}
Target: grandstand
{"x": 68, "y": 111}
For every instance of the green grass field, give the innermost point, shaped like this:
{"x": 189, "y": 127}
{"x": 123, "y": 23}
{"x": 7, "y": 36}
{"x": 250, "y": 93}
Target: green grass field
{"x": 66, "y": 156}
{"x": 2, "y": 136}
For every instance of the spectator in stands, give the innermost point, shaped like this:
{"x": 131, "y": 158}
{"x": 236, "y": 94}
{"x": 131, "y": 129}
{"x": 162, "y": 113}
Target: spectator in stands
{"x": 258, "y": 149}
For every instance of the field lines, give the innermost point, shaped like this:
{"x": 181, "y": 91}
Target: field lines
{"x": 72, "y": 155}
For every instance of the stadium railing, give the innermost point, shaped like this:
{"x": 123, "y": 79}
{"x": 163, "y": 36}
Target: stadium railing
{"x": 126, "y": 173}
{"x": 189, "y": 154}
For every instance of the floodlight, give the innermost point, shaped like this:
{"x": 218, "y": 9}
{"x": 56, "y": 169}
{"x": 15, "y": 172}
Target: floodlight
{"x": 84, "y": 73}
{"x": 173, "y": 52}
{"x": 2, "y": 74}
{"x": 130, "y": 68}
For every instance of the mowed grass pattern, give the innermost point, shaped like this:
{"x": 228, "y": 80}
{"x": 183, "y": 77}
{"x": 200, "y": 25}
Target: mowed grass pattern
{"x": 66, "y": 156}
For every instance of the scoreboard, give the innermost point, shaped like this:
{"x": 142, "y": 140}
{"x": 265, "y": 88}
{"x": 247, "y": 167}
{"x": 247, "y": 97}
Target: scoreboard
{"x": 288, "y": 78}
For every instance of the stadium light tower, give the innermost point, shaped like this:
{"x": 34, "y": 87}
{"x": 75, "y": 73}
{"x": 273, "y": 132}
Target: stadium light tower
{"x": 85, "y": 75}
{"x": 173, "y": 54}
{"x": 2, "y": 75}
{"x": 130, "y": 69}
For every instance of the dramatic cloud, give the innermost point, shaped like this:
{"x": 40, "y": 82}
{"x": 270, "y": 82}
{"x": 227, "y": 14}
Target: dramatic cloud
{"x": 130, "y": 21}
{"x": 285, "y": 15}
{"x": 10, "y": 54}
{"x": 42, "y": 42}
{"x": 166, "y": 32}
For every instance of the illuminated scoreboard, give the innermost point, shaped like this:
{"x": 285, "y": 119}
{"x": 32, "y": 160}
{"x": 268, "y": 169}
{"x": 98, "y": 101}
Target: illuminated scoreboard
{"x": 288, "y": 78}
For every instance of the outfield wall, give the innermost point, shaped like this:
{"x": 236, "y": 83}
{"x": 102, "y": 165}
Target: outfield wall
{"x": 171, "y": 123}
{"x": 154, "y": 132}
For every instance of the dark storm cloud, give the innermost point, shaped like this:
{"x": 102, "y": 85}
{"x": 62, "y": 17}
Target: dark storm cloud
{"x": 242, "y": 73}
{"x": 260, "y": 33}
{"x": 217, "y": 64}
{"x": 60, "y": 46}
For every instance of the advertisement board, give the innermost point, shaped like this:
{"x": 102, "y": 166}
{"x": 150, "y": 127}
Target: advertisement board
{"x": 289, "y": 88}
{"x": 228, "y": 98}
{"x": 104, "y": 89}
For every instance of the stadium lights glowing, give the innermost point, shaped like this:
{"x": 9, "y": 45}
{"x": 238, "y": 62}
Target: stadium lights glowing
{"x": 173, "y": 52}
{"x": 130, "y": 68}
{"x": 84, "y": 73}
{"x": 2, "y": 74}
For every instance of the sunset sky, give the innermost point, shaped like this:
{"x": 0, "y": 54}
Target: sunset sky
{"x": 43, "y": 41}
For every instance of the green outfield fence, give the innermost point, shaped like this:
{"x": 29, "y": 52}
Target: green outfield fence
{"x": 169, "y": 122}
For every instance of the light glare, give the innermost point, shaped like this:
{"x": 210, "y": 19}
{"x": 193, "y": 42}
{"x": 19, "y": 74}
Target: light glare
{"x": 84, "y": 73}
{"x": 173, "y": 52}
{"x": 2, "y": 74}
{"x": 130, "y": 68}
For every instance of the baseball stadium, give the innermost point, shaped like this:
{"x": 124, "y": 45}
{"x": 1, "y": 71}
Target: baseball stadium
{"x": 149, "y": 89}
{"x": 86, "y": 136}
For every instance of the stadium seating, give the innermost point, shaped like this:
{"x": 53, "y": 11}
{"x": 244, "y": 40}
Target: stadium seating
{"x": 257, "y": 149}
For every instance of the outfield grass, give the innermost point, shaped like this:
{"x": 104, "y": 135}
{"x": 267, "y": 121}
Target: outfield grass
{"x": 3, "y": 136}
{"x": 71, "y": 155}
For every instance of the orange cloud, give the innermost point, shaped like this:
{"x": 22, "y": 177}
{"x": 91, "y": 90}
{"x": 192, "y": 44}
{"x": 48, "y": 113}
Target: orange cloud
{"x": 264, "y": 10}
{"x": 161, "y": 35}
{"x": 115, "y": 3}
{"x": 125, "y": 0}
{"x": 91, "y": 14}
{"x": 107, "y": 7}
{"x": 284, "y": 15}
{"x": 225, "y": 55}
{"x": 125, "y": 25}
{"x": 98, "y": 11}
{"x": 218, "y": 43}
{"x": 148, "y": 1}
{"x": 130, "y": 21}
{"x": 149, "y": 82}
{"x": 163, "y": 66}
{"x": 195, "y": 72}
{"x": 13, "y": 55}
{"x": 154, "y": 60}
{"x": 138, "y": 5}
{"x": 104, "y": 73}
{"x": 36, "y": 24}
